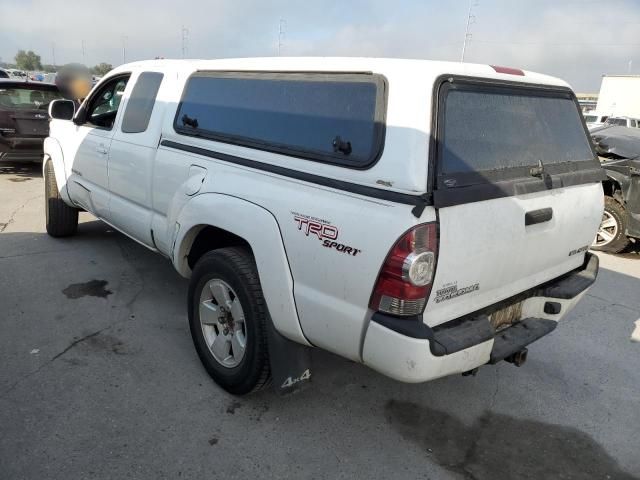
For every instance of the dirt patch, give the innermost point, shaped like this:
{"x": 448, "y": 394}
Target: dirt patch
{"x": 93, "y": 288}
{"x": 76, "y": 362}
{"x": 231, "y": 408}
{"x": 107, "y": 343}
{"x": 258, "y": 412}
{"x": 501, "y": 447}
{"x": 20, "y": 180}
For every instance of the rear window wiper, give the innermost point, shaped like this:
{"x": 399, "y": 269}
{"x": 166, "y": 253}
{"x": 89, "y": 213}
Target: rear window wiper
{"x": 537, "y": 171}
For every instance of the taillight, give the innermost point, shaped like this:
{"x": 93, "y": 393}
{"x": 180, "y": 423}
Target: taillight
{"x": 508, "y": 70}
{"x": 404, "y": 282}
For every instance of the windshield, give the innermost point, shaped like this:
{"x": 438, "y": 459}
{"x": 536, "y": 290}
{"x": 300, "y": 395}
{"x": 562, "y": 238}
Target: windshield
{"x": 488, "y": 128}
{"x": 26, "y": 98}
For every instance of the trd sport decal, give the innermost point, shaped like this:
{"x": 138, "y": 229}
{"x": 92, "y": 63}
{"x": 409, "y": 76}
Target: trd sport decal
{"x": 326, "y": 233}
{"x": 452, "y": 291}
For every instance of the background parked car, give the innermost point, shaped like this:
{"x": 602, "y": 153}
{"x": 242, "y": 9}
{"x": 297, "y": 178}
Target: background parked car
{"x": 595, "y": 119}
{"x": 24, "y": 119}
{"x": 49, "y": 78}
{"x": 619, "y": 150}
{"x": 15, "y": 73}
{"x": 623, "y": 122}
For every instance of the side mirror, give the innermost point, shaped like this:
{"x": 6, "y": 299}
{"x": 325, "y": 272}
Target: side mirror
{"x": 62, "y": 109}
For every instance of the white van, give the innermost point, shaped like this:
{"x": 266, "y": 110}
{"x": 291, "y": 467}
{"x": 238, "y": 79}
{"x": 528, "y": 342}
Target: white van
{"x": 423, "y": 218}
{"x": 594, "y": 119}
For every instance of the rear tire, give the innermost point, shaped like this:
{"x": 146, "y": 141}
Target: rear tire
{"x": 226, "y": 301}
{"x": 61, "y": 219}
{"x": 611, "y": 236}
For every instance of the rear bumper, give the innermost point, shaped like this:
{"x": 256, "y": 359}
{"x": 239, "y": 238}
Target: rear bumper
{"x": 27, "y": 149}
{"x": 410, "y": 351}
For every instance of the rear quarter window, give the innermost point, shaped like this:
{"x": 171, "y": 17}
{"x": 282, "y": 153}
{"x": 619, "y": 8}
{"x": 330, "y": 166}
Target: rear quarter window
{"x": 332, "y": 118}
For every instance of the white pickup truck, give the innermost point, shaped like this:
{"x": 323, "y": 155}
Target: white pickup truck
{"x": 423, "y": 218}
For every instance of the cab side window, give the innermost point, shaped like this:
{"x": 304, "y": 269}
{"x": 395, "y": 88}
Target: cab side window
{"x": 103, "y": 107}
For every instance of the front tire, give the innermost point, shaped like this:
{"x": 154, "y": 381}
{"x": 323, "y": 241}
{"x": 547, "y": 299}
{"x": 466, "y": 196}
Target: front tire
{"x": 228, "y": 318}
{"x": 611, "y": 236}
{"x": 61, "y": 219}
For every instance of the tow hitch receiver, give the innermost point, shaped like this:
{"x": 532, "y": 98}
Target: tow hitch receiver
{"x": 518, "y": 358}
{"x": 509, "y": 344}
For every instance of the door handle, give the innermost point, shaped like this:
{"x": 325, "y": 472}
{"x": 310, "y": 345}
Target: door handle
{"x": 538, "y": 216}
{"x": 102, "y": 149}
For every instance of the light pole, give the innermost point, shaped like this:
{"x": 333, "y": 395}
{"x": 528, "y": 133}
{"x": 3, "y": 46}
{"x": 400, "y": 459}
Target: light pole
{"x": 185, "y": 41}
{"x": 124, "y": 49}
{"x": 467, "y": 32}
{"x": 281, "y": 31}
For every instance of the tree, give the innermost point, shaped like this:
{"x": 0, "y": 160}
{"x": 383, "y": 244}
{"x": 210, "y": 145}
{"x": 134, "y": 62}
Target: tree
{"x": 102, "y": 69}
{"x": 28, "y": 60}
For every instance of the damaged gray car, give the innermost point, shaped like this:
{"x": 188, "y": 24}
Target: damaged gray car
{"x": 619, "y": 152}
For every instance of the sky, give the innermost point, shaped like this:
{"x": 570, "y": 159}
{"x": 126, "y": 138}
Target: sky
{"x": 577, "y": 40}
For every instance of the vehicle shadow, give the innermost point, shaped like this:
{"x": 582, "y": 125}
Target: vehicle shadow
{"x": 21, "y": 171}
{"x": 632, "y": 251}
{"x": 498, "y": 446}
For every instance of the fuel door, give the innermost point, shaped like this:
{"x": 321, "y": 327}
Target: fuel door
{"x": 197, "y": 175}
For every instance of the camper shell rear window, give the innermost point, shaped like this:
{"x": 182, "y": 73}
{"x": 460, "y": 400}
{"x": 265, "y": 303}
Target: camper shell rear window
{"x": 495, "y": 140}
{"x": 336, "y": 118}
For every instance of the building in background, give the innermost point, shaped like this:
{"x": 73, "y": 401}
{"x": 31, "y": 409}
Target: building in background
{"x": 587, "y": 101}
{"x": 619, "y": 96}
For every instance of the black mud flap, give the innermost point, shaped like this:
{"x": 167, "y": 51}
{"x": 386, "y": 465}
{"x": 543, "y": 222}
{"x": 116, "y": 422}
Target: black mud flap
{"x": 633, "y": 200}
{"x": 290, "y": 362}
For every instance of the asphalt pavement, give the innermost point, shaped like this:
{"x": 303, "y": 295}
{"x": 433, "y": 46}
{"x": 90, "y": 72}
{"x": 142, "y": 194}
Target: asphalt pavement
{"x": 99, "y": 380}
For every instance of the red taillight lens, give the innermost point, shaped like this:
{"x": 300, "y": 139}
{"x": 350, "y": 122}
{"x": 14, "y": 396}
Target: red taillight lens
{"x": 404, "y": 282}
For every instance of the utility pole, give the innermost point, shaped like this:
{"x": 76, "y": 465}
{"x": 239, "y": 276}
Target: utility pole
{"x": 53, "y": 53}
{"x": 185, "y": 41}
{"x": 84, "y": 54}
{"x": 281, "y": 32}
{"x": 467, "y": 32}
{"x": 124, "y": 49}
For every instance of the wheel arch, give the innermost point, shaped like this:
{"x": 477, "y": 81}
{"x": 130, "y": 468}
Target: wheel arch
{"x": 615, "y": 185}
{"x": 53, "y": 154}
{"x": 209, "y": 221}
{"x": 204, "y": 238}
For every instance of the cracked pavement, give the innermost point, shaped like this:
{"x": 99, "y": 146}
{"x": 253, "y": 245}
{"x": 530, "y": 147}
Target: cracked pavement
{"x": 107, "y": 384}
